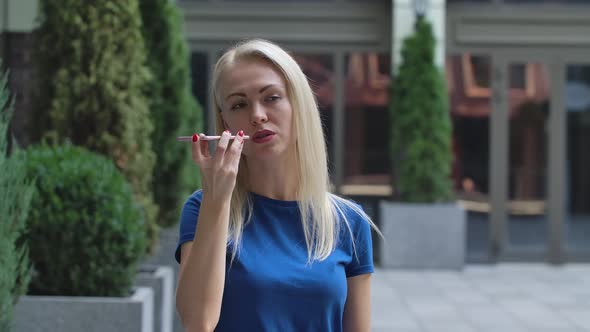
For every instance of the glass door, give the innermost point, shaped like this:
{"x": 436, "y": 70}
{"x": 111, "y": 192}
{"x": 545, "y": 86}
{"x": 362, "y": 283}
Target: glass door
{"x": 528, "y": 96}
{"x": 540, "y": 160}
{"x": 576, "y": 235}
{"x": 524, "y": 223}
{"x": 469, "y": 87}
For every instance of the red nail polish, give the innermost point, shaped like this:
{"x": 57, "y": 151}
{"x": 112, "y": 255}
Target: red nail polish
{"x": 241, "y": 133}
{"x": 195, "y": 137}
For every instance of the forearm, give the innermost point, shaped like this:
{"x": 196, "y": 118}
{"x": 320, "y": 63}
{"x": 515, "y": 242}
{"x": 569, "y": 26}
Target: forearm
{"x": 202, "y": 276}
{"x": 357, "y": 311}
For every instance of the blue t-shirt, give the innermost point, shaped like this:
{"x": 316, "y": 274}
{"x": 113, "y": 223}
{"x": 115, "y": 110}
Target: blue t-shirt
{"x": 270, "y": 286}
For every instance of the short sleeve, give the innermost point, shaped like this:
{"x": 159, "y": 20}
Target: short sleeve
{"x": 362, "y": 251}
{"x": 188, "y": 220}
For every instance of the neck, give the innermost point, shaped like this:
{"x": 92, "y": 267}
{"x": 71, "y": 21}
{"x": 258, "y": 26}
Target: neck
{"x": 276, "y": 179}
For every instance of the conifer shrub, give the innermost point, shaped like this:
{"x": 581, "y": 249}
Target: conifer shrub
{"x": 92, "y": 80}
{"x": 421, "y": 126}
{"x": 85, "y": 230}
{"x": 173, "y": 108}
{"x": 15, "y": 197}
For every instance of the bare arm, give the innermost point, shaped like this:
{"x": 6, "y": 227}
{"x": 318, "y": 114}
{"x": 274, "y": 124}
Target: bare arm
{"x": 202, "y": 265}
{"x": 357, "y": 310}
{"x": 202, "y": 270}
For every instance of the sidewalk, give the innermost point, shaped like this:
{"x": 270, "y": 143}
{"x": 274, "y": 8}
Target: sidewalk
{"x": 487, "y": 298}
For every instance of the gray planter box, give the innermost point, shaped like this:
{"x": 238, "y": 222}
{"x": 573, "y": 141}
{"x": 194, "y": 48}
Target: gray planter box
{"x": 88, "y": 314}
{"x": 422, "y": 236}
{"x": 164, "y": 255}
{"x": 161, "y": 279}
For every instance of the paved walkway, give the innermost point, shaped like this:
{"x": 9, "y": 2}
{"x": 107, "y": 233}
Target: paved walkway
{"x": 486, "y": 298}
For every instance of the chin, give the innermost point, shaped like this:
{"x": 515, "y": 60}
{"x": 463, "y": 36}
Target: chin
{"x": 263, "y": 153}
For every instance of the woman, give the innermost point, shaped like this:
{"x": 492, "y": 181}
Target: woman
{"x": 264, "y": 246}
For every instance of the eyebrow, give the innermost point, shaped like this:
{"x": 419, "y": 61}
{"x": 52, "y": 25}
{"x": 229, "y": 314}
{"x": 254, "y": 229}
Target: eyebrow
{"x": 260, "y": 91}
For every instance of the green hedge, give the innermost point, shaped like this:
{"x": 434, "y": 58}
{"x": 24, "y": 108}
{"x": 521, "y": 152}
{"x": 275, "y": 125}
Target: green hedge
{"x": 174, "y": 109}
{"x": 92, "y": 87}
{"x": 15, "y": 197}
{"x": 421, "y": 126}
{"x": 86, "y": 233}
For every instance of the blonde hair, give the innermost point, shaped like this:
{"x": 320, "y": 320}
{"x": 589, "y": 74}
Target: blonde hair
{"x": 321, "y": 215}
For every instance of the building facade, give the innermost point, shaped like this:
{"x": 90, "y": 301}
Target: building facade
{"x": 521, "y": 78}
{"x": 518, "y": 77}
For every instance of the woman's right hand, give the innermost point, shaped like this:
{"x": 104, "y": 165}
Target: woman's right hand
{"x": 218, "y": 172}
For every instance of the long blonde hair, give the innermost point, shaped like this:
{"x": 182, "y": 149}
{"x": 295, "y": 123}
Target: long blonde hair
{"x": 321, "y": 213}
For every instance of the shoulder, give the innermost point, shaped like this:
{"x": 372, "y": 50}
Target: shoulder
{"x": 349, "y": 211}
{"x": 188, "y": 220}
{"x": 191, "y": 207}
{"x": 194, "y": 199}
{"x": 355, "y": 235}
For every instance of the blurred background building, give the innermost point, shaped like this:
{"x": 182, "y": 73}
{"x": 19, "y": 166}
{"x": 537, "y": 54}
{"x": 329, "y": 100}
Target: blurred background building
{"x": 518, "y": 75}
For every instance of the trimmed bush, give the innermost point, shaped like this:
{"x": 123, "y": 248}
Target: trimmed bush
{"x": 15, "y": 198}
{"x": 92, "y": 87}
{"x": 421, "y": 126}
{"x": 174, "y": 109}
{"x": 86, "y": 233}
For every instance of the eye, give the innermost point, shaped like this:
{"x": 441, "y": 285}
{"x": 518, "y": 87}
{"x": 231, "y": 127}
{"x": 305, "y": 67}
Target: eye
{"x": 237, "y": 106}
{"x": 273, "y": 98}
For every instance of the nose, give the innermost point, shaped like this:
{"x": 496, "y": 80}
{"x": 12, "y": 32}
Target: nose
{"x": 258, "y": 115}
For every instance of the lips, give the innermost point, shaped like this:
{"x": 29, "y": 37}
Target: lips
{"x": 263, "y": 136}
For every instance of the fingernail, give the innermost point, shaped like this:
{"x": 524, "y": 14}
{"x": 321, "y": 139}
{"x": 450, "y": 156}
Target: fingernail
{"x": 227, "y": 131}
{"x": 241, "y": 133}
{"x": 195, "y": 137}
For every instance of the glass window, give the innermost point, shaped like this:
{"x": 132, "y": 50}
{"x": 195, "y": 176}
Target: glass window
{"x": 477, "y": 80}
{"x": 468, "y": 82}
{"x": 367, "y": 127}
{"x": 528, "y": 147}
{"x": 200, "y": 82}
{"x": 578, "y": 159}
{"x": 319, "y": 70}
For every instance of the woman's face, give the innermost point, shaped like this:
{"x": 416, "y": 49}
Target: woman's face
{"x": 254, "y": 99}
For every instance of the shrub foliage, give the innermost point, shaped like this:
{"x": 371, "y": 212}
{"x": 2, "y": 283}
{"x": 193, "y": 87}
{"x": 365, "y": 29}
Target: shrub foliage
{"x": 15, "y": 197}
{"x": 92, "y": 90}
{"x": 421, "y": 127}
{"x": 85, "y": 230}
{"x": 174, "y": 109}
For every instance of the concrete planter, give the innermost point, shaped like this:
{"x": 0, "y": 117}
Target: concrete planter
{"x": 164, "y": 256}
{"x": 161, "y": 280}
{"x": 88, "y": 314}
{"x": 422, "y": 236}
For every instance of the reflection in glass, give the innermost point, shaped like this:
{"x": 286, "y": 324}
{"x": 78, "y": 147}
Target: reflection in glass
{"x": 577, "y": 102}
{"x": 468, "y": 77}
{"x": 476, "y": 75}
{"x": 527, "y": 172}
{"x": 366, "y": 92}
{"x": 319, "y": 69}
{"x": 200, "y": 83}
